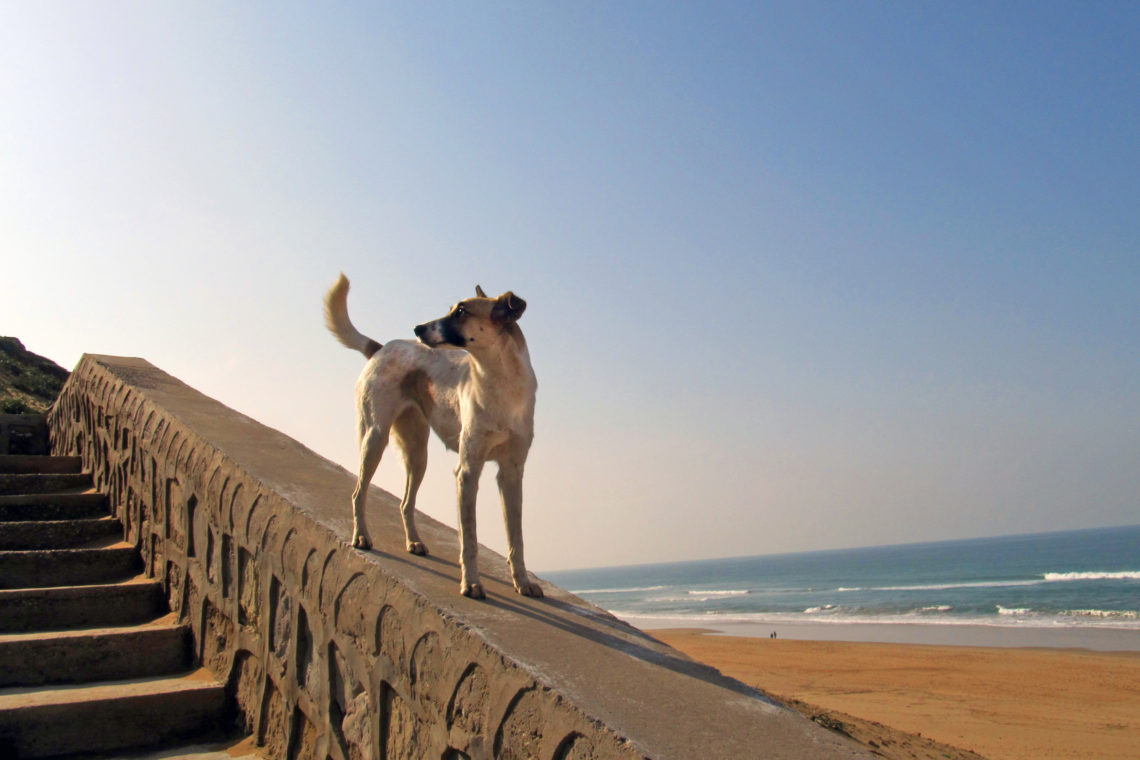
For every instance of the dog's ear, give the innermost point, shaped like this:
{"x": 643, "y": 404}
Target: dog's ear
{"x": 479, "y": 292}
{"x": 508, "y": 308}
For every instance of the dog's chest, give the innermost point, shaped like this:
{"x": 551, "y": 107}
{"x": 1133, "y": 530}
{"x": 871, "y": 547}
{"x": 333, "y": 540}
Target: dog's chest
{"x": 491, "y": 409}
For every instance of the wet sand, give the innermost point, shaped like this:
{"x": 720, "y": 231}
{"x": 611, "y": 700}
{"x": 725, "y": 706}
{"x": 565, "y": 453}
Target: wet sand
{"x": 1002, "y": 703}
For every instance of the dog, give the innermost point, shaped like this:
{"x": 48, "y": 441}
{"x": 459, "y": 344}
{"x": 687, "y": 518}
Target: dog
{"x": 469, "y": 378}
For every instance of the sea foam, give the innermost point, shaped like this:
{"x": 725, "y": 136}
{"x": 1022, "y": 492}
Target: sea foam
{"x": 1105, "y": 614}
{"x": 1126, "y": 575}
{"x": 633, "y": 590}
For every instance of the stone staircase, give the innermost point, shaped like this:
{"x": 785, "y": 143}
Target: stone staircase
{"x": 92, "y": 663}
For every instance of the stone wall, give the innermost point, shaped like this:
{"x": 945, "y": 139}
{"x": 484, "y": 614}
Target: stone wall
{"x": 335, "y": 653}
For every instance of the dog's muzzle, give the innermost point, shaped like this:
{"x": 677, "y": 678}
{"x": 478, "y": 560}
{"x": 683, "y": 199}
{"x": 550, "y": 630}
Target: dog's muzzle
{"x": 440, "y": 332}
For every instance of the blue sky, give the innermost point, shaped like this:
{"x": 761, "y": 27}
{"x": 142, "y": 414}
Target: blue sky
{"x": 800, "y": 275}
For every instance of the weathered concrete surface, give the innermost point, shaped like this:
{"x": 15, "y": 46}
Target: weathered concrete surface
{"x": 90, "y": 605}
{"x": 99, "y": 654}
{"x": 63, "y": 567}
{"x": 335, "y": 653}
{"x": 43, "y": 483}
{"x": 64, "y": 534}
{"x": 21, "y": 464}
{"x": 54, "y": 721}
{"x": 52, "y": 506}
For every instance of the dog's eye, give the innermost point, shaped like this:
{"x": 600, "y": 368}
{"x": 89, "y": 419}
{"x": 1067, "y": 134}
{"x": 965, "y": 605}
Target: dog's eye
{"x": 459, "y": 311}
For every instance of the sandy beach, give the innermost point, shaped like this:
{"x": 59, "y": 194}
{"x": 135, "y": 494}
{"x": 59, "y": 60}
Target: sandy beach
{"x": 914, "y": 700}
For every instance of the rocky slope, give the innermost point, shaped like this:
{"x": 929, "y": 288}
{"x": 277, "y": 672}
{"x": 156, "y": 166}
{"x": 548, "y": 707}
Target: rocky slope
{"x": 28, "y": 382}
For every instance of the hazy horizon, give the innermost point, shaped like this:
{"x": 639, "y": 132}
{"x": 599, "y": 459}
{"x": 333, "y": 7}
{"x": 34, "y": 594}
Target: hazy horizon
{"x": 843, "y": 549}
{"x": 799, "y": 277}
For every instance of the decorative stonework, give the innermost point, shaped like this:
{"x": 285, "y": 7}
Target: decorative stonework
{"x": 325, "y": 655}
{"x": 335, "y": 654}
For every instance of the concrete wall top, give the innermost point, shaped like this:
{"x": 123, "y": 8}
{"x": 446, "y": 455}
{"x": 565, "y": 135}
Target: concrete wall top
{"x": 653, "y": 699}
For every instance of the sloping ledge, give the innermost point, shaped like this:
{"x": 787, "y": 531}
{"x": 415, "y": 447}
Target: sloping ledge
{"x": 335, "y": 653}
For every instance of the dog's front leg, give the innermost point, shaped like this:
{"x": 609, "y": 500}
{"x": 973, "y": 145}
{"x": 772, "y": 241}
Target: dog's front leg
{"x": 510, "y": 489}
{"x": 467, "y": 481}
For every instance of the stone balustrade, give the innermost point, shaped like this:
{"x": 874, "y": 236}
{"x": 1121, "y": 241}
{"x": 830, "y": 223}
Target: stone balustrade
{"x": 334, "y": 653}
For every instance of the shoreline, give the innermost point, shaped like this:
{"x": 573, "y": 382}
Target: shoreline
{"x": 1095, "y": 639}
{"x": 960, "y": 701}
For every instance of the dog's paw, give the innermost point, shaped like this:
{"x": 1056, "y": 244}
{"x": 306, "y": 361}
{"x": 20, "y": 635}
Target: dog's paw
{"x": 362, "y": 541}
{"x": 529, "y": 589}
{"x": 472, "y": 590}
{"x": 419, "y": 548}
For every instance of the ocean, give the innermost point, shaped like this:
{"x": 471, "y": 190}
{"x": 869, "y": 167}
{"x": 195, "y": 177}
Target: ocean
{"x": 1076, "y": 581}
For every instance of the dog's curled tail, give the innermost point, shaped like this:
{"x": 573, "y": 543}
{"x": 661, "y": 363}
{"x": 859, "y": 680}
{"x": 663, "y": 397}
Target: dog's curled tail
{"x": 336, "y": 319}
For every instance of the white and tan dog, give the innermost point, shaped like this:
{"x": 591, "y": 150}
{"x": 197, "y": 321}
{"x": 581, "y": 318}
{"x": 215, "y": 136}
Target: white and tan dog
{"x": 479, "y": 400}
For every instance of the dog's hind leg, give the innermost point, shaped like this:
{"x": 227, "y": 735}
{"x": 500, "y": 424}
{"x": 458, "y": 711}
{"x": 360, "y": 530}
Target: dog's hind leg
{"x": 412, "y": 434}
{"x": 372, "y": 444}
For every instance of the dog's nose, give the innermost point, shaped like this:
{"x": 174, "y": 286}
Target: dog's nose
{"x": 420, "y": 330}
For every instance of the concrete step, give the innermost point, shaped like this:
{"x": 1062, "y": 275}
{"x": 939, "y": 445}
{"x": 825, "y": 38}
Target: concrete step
{"x": 94, "y": 654}
{"x": 43, "y": 482}
{"x": 23, "y": 463}
{"x": 58, "y": 534}
{"x": 133, "y": 601}
{"x": 68, "y": 567}
{"x": 47, "y": 721}
{"x": 90, "y": 666}
{"x": 238, "y": 747}
{"x": 54, "y": 506}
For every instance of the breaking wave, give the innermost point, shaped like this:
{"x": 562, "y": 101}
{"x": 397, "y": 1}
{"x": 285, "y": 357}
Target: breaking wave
{"x": 632, "y": 590}
{"x": 1013, "y": 611}
{"x": 821, "y": 608}
{"x": 1127, "y": 575}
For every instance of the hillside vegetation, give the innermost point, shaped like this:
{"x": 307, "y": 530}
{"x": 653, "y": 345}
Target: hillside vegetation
{"x": 28, "y": 382}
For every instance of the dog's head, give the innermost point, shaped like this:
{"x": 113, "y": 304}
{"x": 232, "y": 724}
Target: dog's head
{"x": 474, "y": 322}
